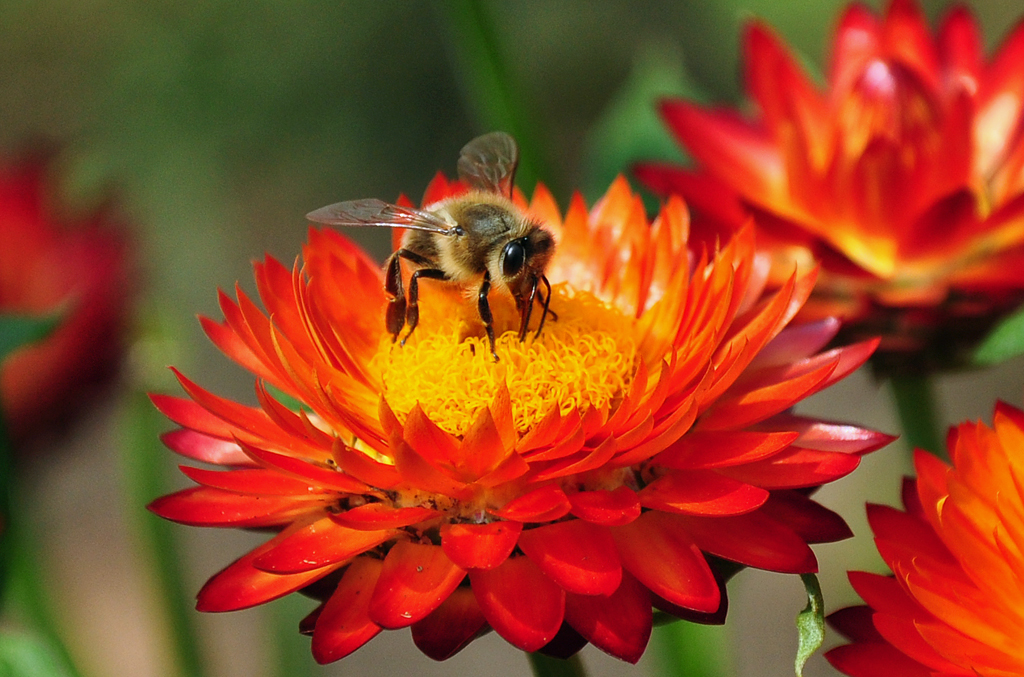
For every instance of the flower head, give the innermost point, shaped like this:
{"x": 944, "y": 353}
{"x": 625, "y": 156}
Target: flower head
{"x": 902, "y": 177}
{"x": 49, "y": 264}
{"x": 955, "y": 604}
{"x": 553, "y": 496}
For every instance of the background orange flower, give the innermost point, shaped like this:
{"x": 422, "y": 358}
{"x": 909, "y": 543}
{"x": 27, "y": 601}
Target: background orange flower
{"x": 953, "y": 605}
{"x": 903, "y": 177}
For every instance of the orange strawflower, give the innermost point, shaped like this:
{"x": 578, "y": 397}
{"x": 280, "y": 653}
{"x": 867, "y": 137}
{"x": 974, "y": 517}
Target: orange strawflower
{"x": 50, "y": 264}
{"x": 554, "y": 496}
{"x": 955, "y": 605}
{"x": 903, "y": 177}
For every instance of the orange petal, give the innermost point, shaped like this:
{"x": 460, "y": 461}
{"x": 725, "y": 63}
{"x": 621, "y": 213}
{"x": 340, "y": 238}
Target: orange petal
{"x": 705, "y": 450}
{"x": 344, "y": 625}
{"x": 414, "y": 580}
{"x": 322, "y": 543}
{"x": 253, "y": 481}
{"x": 609, "y": 508}
{"x": 702, "y": 492}
{"x": 577, "y": 555}
{"x": 619, "y": 624}
{"x": 658, "y": 551}
{"x": 479, "y": 546}
{"x": 241, "y": 585}
{"x": 544, "y": 504}
{"x": 376, "y": 516}
{"x": 522, "y": 604}
{"x": 205, "y": 506}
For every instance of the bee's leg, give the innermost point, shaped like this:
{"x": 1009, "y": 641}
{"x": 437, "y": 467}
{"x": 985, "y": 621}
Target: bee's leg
{"x": 546, "y": 301}
{"x": 485, "y": 311}
{"x": 394, "y": 318}
{"x": 526, "y": 310}
{"x": 412, "y": 313}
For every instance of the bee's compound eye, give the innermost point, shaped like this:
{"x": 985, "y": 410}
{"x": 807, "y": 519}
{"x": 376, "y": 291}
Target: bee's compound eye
{"x": 513, "y": 259}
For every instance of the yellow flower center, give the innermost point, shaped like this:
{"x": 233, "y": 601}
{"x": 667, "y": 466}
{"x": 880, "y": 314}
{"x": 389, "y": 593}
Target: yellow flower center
{"x": 586, "y": 357}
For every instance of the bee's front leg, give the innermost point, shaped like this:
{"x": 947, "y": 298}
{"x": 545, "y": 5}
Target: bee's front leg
{"x": 394, "y": 318}
{"x": 485, "y": 311}
{"x": 412, "y": 313}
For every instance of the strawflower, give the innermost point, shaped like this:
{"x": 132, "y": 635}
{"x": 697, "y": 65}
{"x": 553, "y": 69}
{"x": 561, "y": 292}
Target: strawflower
{"x": 554, "y": 496}
{"x": 52, "y": 264}
{"x": 955, "y": 604}
{"x": 902, "y": 176}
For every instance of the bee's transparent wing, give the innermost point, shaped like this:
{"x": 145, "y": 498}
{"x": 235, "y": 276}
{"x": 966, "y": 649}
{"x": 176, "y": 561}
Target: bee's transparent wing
{"x": 489, "y": 162}
{"x": 372, "y": 212}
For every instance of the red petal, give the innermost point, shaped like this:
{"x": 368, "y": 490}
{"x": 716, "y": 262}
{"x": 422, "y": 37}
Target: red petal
{"x": 376, "y": 516}
{"x": 854, "y": 622}
{"x": 876, "y": 659}
{"x": 241, "y": 585}
{"x": 795, "y": 468}
{"x": 419, "y": 472}
{"x": 522, "y": 604}
{"x": 451, "y": 626}
{"x": 811, "y": 521}
{"x": 544, "y": 504}
{"x": 204, "y": 448}
{"x": 658, "y": 551}
{"x": 705, "y": 450}
{"x": 702, "y": 492}
{"x": 253, "y": 481}
{"x": 479, "y": 546}
{"x": 362, "y": 467}
{"x": 203, "y": 506}
{"x": 609, "y": 508}
{"x": 303, "y": 469}
{"x": 344, "y": 625}
{"x": 319, "y": 544}
{"x": 414, "y": 581}
{"x": 753, "y": 539}
{"x": 188, "y": 414}
{"x": 619, "y": 624}
{"x": 577, "y": 555}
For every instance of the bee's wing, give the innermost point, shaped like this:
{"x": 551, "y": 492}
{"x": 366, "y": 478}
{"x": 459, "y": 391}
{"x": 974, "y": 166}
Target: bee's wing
{"x": 489, "y": 162}
{"x": 372, "y": 212}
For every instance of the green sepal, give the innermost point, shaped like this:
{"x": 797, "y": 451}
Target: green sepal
{"x": 810, "y": 622}
{"x": 1003, "y": 342}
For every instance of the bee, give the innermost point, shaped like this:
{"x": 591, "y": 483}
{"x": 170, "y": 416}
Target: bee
{"x": 480, "y": 238}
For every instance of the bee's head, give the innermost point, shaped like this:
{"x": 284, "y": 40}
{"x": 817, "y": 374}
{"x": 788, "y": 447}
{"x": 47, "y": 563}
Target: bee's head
{"x": 524, "y": 259}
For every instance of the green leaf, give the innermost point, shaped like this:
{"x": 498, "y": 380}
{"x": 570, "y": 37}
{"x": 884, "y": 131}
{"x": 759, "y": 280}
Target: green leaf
{"x": 630, "y": 129}
{"x": 1003, "y": 342}
{"x": 810, "y": 622}
{"x": 19, "y": 330}
{"x": 22, "y": 655}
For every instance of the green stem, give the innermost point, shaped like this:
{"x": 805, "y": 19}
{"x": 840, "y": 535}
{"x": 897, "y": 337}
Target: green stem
{"x": 20, "y": 577}
{"x": 546, "y": 666}
{"x": 692, "y": 650}
{"x": 487, "y": 84}
{"x": 915, "y": 405}
{"x": 143, "y": 477}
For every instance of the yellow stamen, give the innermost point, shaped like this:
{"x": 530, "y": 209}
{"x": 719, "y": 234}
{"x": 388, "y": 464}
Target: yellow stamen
{"x": 586, "y": 357}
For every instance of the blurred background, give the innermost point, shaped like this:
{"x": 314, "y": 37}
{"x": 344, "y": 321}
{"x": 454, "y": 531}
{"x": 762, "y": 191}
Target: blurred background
{"x": 216, "y": 125}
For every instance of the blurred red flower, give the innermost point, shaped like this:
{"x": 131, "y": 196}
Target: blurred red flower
{"x": 50, "y": 263}
{"x": 955, "y": 604}
{"x": 554, "y": 496}
{"x": 903, "y": 177}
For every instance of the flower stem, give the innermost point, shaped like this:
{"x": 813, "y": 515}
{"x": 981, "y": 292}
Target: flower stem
{"x": 692, "y": 650}
{"x": 915, "y": 405}
{"x": 546, "y": 666}
{"x": 488, "y": 86}
{"x": 143, "y": 478}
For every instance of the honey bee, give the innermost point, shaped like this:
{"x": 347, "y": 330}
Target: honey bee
{"x": 480, "y": 236}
